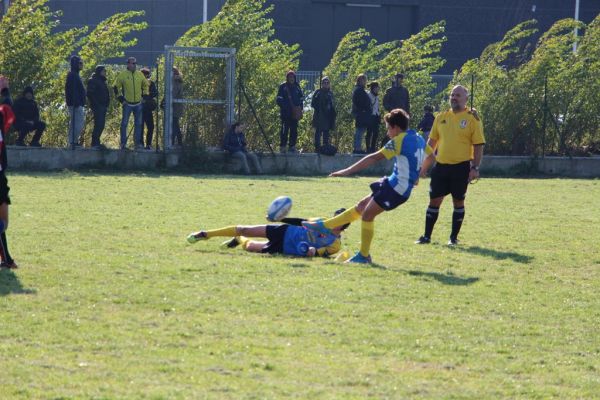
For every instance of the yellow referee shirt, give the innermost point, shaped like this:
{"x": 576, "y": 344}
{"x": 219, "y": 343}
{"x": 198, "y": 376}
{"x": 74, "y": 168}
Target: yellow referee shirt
{"x": 456, "y": 133}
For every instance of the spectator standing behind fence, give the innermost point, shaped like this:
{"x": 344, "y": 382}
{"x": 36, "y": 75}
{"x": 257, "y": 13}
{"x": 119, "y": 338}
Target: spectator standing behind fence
{"x": 290, "y": 102}
{"x": 5, "y": 97}
{"x": 27, "y": 116}
{"x": 361, "y": 110}
{"x": 373, "y": 129}
{"x": 426, "y": 122}
{"x": 129, "y": 88}
{"x": 148, "y": 106}
{"x": 324, "y": 114}
{"x": 235, "y": 143}
{"x": 75, "y": 98}
{"x": 99, "y": 99}
{"x": 397, "y": 96}
{"x": 6, "y": 119}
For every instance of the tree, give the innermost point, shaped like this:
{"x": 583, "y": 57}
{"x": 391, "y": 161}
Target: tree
{"x": 417, "y": 57}
{"x": 35, "y": 53}
{"x": 262, "y": 63}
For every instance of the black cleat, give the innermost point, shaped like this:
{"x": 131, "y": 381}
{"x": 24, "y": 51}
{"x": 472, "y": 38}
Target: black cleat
{"x": 423, "y": 240}
{"x": 453, "y": 242}
{"x": 230, "y": 243}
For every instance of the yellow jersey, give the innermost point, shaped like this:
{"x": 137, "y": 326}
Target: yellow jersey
{"x": 456, "y": 133}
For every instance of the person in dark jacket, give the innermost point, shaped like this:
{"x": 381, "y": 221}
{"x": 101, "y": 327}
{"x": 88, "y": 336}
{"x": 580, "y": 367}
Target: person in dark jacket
{"x": 397, "y": 96}
{"x": 235, "y": 143}
{"x": 27, "y": 116}
{"x": 373, "y": 129}
{"x": 324, "y": 115}
{"x": 361, "y": 110}
{"x": 289, "y": 97}
{"x": 148, "y": 106}
{"x": 426, "y": 122}
{"x": 75, "y": 99}
{"x": 6, "y": 120}
{"x": 99, "y": 98}
{"x": 5, "y": 97}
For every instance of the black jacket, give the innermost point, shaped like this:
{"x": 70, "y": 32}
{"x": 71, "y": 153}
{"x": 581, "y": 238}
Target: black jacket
{"x": 361, "y": 107}
{"x": 234, "y": 142}
{"x": 283, "y": 101}
{"x": 97, "y": 91}
{"x": 426, "y": 122}
{"x": 74, "y": 90}
{"x": 397, "y": 97}
{"x": 26, "y": 110}
{"x": 324, "y": 106}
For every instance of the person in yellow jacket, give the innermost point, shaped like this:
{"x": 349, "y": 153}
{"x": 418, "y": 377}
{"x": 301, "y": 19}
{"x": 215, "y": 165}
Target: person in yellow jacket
{"x": 131, "y": 87}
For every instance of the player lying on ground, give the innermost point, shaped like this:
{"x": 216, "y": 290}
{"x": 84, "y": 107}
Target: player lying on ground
{"x": 408, "y": 149}
{"x": 290, "y": 238}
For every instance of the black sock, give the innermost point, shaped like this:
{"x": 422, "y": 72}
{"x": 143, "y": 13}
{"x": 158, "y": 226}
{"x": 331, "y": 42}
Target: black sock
{"x": 430, "y": 217}
{"x": 457, "y": 219}
{"x": 4, "y": 248}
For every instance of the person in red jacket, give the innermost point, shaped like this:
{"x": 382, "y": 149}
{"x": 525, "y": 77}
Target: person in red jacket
{"x": 6, "y": 119}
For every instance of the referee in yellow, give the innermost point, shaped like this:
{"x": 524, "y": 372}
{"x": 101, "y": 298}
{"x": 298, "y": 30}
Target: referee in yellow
{"x": 457, "y": 136}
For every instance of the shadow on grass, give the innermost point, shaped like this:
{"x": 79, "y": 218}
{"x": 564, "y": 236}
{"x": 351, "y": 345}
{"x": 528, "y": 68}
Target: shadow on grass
{"x": 446, "y": 279}
{"x": 10, "y": 284}
{"x": 498, "y": 255}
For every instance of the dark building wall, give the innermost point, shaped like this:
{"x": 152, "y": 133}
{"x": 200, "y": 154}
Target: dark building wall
{"x": 167, "y": 19}
{"x": 318, "y": 25}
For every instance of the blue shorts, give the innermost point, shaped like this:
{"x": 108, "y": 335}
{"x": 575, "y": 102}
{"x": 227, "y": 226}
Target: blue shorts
{"x": 385, "y": 196}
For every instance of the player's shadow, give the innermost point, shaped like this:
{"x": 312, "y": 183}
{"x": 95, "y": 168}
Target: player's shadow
{"x": 498, "y": 255}
{"x": 446, "y": 279}
{"x": 10, "y": 284}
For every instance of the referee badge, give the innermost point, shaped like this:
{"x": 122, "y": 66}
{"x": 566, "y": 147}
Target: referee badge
{"x": 463, "y": 123}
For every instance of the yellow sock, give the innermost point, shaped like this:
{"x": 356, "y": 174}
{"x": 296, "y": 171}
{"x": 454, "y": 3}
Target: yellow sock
{"x": 227, "y": 231}
{"x": 367, "y": 232}
{"x": 243, "y": 241}
{"x": 342, "y": 219}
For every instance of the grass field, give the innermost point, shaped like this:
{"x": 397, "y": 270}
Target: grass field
{"x": 110, "y": 302}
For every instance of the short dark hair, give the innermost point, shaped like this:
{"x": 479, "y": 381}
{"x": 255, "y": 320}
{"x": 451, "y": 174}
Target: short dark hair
{"x": 397, "y": 117}
{"x": 428, "y": 108}
{"x": 373, "y": 84}
{"x": 400, "y": 75}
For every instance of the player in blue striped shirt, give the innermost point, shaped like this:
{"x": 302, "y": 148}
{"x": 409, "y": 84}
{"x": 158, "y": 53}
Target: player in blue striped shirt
{"x": 408, "y": 150}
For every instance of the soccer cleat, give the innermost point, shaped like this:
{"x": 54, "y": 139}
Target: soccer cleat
{"x": 317, "y": 226}
{"x": 359, "y": 259}
{"x": 230, "y": 243}
{"x": 10, "y": 265}
{"x": 453, "y": 242}
{"x": 196, "y": 236}
{"x": 423, "y": 240}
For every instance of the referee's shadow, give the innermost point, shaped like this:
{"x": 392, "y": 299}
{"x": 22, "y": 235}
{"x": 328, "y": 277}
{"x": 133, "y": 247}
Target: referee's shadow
{"x": 498, "y": 255}
{"x": 10, "y": 284}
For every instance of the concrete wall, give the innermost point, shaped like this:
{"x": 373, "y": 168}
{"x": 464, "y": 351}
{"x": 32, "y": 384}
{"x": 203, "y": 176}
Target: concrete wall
{"x": 309, "y": 164}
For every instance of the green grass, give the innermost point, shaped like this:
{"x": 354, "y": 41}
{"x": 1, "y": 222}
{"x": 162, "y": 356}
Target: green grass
{"x": 110, "y": 302}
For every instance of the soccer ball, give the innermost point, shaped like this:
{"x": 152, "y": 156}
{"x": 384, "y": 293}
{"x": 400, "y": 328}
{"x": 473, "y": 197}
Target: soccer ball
{"x": 279, "y": 208}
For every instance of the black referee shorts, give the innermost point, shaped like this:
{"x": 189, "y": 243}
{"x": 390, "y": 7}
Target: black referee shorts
{"x": 275, "y": 234}
{"x": 450, "y": 179}
{"x": 4, "y": 189}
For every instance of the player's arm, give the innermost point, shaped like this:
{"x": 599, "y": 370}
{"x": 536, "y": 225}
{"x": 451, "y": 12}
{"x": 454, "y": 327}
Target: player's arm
{"x": 430, "y": 159}
{"x": 363, "y": 163}
{"x": 329, "y": 250}
{"x": 477, "y": 157}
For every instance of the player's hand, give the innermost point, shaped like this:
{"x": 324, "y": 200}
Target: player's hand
{"x": 423, "y": 173}
{"x": 311, "y": 252}
{"x": 473, "y": 175}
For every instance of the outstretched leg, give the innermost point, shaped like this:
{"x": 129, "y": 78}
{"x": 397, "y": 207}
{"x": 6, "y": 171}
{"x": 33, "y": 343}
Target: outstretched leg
{"x": 228, "y": 231}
